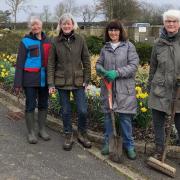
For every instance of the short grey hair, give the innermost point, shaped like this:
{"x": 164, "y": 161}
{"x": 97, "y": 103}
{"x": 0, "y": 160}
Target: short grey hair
{"x": 33, "y": 19}
{"x": 65, "y": 17}
{"x": 171, "y": 13}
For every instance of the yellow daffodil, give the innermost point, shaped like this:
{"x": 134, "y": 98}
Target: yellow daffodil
{"x": 143, "y": 109}
{"x": 53, "y": 95}
{"x": 97, "y": 94}
{"x": 138, "y": 89}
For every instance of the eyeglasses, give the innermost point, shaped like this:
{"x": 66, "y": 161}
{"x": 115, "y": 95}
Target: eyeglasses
{"x": 171, "y": 21}
{"x": 115, "y": 30}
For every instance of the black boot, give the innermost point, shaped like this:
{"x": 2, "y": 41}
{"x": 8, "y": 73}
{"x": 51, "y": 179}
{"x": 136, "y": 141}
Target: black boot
{"x": 30, "y": 123}
{"x": 42, "y": 116}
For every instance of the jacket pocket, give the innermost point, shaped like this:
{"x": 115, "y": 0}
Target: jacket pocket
{"x": 59, "y": 79}
{"x": 78, "y": 78}
{"x": 159, "y": 88}
{"x": 34, "y": 51}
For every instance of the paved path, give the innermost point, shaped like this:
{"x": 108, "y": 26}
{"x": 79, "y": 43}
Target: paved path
{"x": 45, "y": 160}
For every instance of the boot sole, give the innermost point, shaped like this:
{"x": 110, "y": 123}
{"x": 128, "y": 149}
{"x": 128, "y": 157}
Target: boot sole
{"x": 84, "y": 144}
{"x": 45, "y": 139}
{"x": 68, "y": 148}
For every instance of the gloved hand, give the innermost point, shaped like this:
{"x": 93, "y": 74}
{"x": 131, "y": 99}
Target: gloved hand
{"x": 101, "y": 71}
{"x": 111, "y": 75}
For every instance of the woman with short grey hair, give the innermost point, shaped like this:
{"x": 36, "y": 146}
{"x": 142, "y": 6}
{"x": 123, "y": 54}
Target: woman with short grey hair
{"x": 31, "y": 77}
{"x": 163, "y": 75}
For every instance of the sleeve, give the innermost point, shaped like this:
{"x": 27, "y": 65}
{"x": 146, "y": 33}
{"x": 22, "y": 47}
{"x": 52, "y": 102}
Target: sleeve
{"x": 51, "y": 65}
{"x": 153, "y": 67}
{"x": 86, "y": 63}
{"x": 100, "y": 61}
{"x": 132, "y": 63}
{"x": 21, "y": 58}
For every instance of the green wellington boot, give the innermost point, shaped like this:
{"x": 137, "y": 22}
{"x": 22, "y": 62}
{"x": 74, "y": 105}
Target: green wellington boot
{"x": 105, "y": 149}
{"x": 30, "y": 123}
{"x": 131, "y": 154}
{"x": 42, "y": 116}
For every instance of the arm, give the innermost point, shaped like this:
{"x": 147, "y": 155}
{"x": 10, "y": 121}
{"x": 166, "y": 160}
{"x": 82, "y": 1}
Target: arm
{"x": 132, "y": 63}
{"x": 86, "y": 63}
{"x": 153, "y": 67}
{"x": 21, "y": 58}
{"x": 51, "y": 65}
{"x": 100, "y": 65}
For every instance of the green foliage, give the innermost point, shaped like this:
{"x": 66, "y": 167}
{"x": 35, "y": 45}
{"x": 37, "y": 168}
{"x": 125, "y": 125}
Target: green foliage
{"x": 143, "y": 116}
{"x": 10, "y": 41}
{"x": 144, "y": 52}
{"x": 94, "y": 44}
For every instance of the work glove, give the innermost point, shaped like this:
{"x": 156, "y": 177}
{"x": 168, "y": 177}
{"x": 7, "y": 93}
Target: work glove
{"x": 111, "y": 75}
{"x": 101, "y": 71}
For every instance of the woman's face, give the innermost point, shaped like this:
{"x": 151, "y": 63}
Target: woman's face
{"x": 171, "y": 25}
{"x": 114, "y": 35}
{"x": 67, "y": 26}
{"x": 36, "y": 27}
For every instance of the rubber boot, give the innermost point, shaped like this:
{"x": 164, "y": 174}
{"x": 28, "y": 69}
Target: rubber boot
{"x": 42, "y": 116}
{"x": 30, "y": 123}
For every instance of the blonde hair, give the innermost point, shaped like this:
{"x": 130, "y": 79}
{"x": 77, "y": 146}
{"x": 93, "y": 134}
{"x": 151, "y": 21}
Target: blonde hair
{"x": 34, "y": 19}
{"x": 65, "y": 17}
{"x": 171, "y": 13}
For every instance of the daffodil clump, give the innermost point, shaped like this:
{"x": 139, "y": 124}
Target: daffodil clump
{"x": 8, "y": 58}
{"x": 143, "y": 116}
{"x": 94, "y": 78}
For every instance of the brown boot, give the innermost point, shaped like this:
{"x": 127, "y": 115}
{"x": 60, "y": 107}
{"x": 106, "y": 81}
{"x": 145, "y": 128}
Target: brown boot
{"x": 68, "y": 141}
{"x": 83, "y": 139}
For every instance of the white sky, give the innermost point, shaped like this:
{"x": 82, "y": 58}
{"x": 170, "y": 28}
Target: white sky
{"x": 38, "y": 4}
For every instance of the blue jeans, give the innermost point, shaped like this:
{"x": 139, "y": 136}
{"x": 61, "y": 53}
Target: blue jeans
{"x": 34, "y": 95}
{"x": 126, "y": 129}
{"x": 159, "y": 126}
{"x": 81, "y": 104}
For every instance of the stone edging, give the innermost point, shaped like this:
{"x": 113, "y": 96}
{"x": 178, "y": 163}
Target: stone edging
{"x": 56, "y": 124}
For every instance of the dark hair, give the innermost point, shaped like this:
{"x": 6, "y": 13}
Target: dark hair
{"x": 115, "y": 24}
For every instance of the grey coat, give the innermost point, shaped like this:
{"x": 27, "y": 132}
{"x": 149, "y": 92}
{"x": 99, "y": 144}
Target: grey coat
{"x": 124, "y": 60}
{"x": 164, "y": 69}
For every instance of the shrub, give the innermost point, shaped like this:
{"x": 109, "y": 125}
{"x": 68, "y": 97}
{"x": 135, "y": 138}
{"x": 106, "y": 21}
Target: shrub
{"x": 10, "y": 41}
{"x": 144, "y": 52}
{"x": 142, "y": 76}
{"x": 94, "y": 44}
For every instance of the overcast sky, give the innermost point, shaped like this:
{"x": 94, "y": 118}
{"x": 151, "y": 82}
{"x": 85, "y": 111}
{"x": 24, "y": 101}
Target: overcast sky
{"x": 38, "y": 4}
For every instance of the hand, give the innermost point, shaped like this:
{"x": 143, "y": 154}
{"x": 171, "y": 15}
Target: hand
{"x": 111, "y": 75}
{"x": 52, "y": 90}
{"x": 85, "y": 85}
{"x": 17, "y": 90}
{"x": 101, "y": 71}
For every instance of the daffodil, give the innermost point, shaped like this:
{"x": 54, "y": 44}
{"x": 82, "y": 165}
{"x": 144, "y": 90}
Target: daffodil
{"x": 143, "y": 109}
{"x": 138, "y": 89}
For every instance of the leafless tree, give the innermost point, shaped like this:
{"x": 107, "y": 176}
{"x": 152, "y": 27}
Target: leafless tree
{"x": 66, "y": 6}
{"x": 15, "y": 6}
{"x": 89, "y": 12}
{"x": 46, "y": 14}
{"x": 121, "y": 9}
{"x": 152, "y": 13}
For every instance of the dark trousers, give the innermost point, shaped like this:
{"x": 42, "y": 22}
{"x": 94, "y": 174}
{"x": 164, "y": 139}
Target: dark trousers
{"x": 159, "y": 126}
{"x": 81, "y": 104}
{"x": 36, "y": 97}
